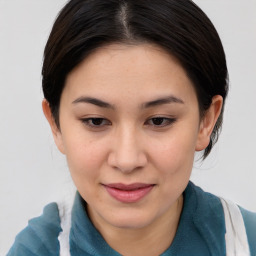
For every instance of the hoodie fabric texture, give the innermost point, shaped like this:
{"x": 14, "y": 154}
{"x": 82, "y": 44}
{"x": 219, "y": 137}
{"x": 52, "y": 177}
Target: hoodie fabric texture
{"x": 201, "y": 230}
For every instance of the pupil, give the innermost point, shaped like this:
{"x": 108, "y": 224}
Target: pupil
{"x": 97, "y": 121}
{"x": 157, "y": 121}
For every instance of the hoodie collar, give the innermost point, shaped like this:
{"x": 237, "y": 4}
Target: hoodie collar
{"x": 202, "y": 216}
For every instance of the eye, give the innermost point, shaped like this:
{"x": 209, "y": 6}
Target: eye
{"x": 96, "y": 122}
{"x": 160, "y": 121}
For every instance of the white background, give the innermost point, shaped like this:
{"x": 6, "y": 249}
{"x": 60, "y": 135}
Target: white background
{"x": 33, "y": 173}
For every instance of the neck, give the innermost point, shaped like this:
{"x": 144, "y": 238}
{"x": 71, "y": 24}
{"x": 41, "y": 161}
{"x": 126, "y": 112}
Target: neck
{"x": 159, "y": 234}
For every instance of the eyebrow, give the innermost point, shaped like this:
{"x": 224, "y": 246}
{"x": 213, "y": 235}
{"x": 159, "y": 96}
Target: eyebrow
{"x": 162, "y": 101}
{"x": 103, "y": 104}
{"x": 94, "y": 101}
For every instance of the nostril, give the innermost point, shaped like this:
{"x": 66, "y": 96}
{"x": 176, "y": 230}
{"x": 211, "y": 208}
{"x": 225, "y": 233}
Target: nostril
{"x": 127, "y": 162}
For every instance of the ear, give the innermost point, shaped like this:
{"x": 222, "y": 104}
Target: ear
{"x": 208, "y": 122}
{"x": 55, "y": 130}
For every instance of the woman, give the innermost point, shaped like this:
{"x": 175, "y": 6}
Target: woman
{"x": 132, "y": 90}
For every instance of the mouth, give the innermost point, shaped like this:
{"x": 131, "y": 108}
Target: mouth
{"x": 130, "y": 193}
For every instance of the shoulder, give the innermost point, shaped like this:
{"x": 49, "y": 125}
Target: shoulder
{"x": 205, "y": 200}
{"x": 250, "y": 225}
{"x": 208, "y": 218}
{"x": 40, "y": 237}
{"x": 209, "y": 204}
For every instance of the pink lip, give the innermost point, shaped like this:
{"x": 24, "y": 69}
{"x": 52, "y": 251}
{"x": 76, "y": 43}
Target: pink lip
{"x": 128, "y": 193}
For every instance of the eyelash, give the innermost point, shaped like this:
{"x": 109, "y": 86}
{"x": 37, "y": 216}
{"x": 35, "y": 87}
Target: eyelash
{"x": 89, "y": 122}
{"x": 167, "y": 121}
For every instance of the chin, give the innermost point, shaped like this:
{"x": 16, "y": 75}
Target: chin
{"x": 130, "y": 220}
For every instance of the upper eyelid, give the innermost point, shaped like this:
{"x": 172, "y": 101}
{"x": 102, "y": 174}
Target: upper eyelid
{"x": 171, "y": 119}
{"x": 162, "y": 117}
{"x": 86, "y": 121}
{"x": 151, "y": 117}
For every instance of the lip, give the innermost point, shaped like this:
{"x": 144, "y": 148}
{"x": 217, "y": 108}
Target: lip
{"x": 128, "y": 193}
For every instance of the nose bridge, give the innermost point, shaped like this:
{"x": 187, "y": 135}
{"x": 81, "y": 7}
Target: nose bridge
{"x": 128, "y": 153}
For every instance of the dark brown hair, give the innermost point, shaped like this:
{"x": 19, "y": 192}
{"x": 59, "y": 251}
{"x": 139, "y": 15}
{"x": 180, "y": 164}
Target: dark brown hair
{"x": 178, "y": 26}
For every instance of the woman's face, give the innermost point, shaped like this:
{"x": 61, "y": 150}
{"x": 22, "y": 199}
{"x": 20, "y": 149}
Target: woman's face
{"x": 129, "y": 127}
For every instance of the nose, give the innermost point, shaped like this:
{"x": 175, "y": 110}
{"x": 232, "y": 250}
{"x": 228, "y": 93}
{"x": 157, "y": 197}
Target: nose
{"x": 127, "y": 153}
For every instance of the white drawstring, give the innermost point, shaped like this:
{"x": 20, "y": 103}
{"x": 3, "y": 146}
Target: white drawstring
{"x": 236, "y": 237}
{"x": 65, "y": 209}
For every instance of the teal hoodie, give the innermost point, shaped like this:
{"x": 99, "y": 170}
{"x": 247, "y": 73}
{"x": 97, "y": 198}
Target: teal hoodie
{"x": 201, "y": 230}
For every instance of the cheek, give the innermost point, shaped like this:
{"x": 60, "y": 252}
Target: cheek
{"x": 85, "y": 161}
{"x": 173, "y": 163}
{"x": 85, "y": 158}
{"x": 175, "y": 154}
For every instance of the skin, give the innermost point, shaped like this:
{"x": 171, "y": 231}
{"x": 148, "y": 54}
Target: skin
{"x": 125, "y": 145}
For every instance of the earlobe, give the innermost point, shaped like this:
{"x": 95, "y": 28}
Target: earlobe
{"x": 55, "y": 130}
{"x": 208, "y": 122}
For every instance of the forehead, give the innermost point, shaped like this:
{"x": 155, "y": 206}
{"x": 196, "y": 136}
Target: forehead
{"x": 122, "y": 71}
